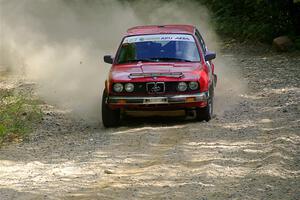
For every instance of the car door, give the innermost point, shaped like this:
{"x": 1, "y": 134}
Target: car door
{"x": 204, "y": 50}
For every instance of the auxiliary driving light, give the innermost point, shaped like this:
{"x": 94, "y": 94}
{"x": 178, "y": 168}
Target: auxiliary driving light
{"x": 118, "y": 87}
{"x": 190, "y": 99}
{"x": 182, "y": 86}
{"x": 129, "y": 87}
{"x": 193, "y": 85}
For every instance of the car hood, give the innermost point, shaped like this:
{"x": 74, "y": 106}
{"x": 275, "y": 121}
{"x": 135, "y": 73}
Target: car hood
{"x": 122, "y": 72}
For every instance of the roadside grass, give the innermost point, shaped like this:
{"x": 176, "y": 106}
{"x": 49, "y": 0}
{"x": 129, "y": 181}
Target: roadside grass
{"x": 18, "y": 115}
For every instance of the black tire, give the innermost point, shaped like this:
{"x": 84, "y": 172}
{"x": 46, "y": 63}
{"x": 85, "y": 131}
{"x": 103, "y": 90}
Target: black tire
{"x": 215, "y": 80}
{"x": 206, "y": 113}
{"x": 110, "y": 118}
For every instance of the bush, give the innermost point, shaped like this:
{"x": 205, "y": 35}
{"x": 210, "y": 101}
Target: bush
{"x": 297, "y": 43}
{"x": 17, "y": 116}
{"x": 260, "y": 20}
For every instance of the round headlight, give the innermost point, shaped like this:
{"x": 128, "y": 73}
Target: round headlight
{"x": 129, "y": 87}
{"x": 193, "y": 85}
{"x": 118, "y": 87}
{"x": 182, "y": 86}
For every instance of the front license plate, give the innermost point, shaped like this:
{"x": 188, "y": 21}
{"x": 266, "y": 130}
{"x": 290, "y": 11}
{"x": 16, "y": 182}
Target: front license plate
{"x": 156, "y": 100}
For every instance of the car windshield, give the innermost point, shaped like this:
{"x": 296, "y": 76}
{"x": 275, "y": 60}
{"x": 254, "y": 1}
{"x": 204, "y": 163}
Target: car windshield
{"x": 158, "y": 48}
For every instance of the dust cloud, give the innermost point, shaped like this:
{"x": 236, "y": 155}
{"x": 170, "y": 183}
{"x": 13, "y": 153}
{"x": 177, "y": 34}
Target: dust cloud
{"x": 59, "y": 44}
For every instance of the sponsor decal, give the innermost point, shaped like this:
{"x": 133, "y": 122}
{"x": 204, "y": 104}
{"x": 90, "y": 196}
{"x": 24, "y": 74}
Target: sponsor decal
{"x": 158, "y": 38}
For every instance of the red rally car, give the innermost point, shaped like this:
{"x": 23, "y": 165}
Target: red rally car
{"x": 160, "y": 68}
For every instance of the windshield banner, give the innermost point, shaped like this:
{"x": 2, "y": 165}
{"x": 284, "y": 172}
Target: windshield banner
{"x": 159, "y": 37}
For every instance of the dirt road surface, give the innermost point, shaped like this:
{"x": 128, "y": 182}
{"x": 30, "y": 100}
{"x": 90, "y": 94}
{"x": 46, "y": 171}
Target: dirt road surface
{"x": 251, "y": 151}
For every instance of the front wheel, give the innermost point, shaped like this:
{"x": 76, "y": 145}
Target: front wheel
{"x": 206, "y": 113}
{"x": 110, "y": 117}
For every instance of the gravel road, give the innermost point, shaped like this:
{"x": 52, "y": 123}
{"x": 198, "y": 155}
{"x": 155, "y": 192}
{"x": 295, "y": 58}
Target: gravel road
{"x": 251, "y": 151}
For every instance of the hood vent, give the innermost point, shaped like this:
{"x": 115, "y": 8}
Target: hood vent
{"x": 145, "y": 75}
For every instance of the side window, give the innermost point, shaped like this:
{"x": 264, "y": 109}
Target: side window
{"x": 201, "y": 41}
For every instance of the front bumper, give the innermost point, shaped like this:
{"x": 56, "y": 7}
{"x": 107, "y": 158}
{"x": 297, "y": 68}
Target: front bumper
{"x": 174, "y": 99}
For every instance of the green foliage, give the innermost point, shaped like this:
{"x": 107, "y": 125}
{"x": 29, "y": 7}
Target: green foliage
{"x": 17, "y": 116}
{"x": 297, "y": 42}
{"x": 253, "y": 19}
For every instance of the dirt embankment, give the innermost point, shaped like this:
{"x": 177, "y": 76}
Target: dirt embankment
{"x": 249, "y": 152}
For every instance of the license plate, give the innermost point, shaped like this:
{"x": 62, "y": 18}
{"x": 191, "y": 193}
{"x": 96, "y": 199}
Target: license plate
{"x": 156, "y": 100}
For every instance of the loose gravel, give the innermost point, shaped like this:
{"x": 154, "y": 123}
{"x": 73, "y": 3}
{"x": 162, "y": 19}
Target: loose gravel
{"x": 250, "y": 151}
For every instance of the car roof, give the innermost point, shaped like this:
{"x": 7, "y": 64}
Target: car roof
{"x": 157, "y": 29}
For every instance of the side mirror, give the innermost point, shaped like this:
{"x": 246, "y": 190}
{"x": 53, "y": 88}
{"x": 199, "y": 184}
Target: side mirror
{"x": 108, "y": 59}
{"x": 210, "y": 56}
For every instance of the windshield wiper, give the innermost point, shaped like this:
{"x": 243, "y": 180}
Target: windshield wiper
{"x": 171, "y": 59}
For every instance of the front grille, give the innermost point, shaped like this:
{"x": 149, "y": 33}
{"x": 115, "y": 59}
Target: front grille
{"x": 155, "y": 87}
{"x": 169, "y": 87}
{"x": 140, "y": 88}
{"x": 144, "y": 88}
